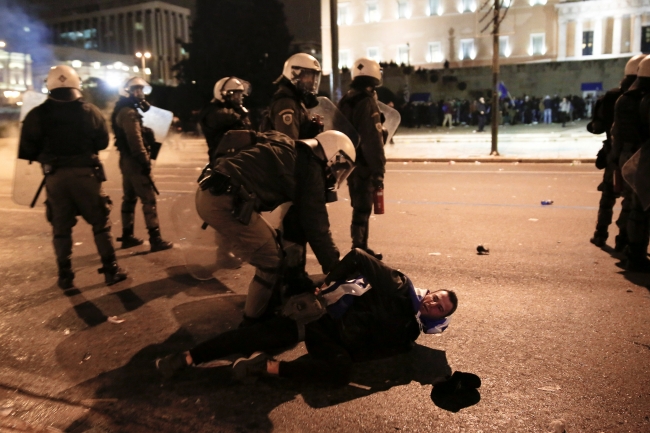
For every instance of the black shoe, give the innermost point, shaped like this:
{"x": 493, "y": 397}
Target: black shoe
{"x": 638, "y": 265}
{"x": 599, "y": 241}
{"x": 113, "y": 274}
{"x": 170, "y": 365}
{"x": 130, "y": 241}
{"x": 65, "y": 280}
{"x": 253, "y": 366}
{"x": 157, "y": 242}
{"x": 620, "y": 242}
{"x": 458, "y": 381}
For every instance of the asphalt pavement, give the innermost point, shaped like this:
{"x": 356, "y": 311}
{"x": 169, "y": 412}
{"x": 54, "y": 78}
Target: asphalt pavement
{"x": 552, "y": 325}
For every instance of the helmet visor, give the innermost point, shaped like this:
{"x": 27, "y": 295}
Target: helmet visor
{"x": 307, "y": 80}
{"x": 340, "y": 167}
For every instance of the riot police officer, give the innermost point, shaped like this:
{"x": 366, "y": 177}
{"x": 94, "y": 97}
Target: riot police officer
{"x": 65, "y": 135}
{"x": 359, "y": 106}
{"x": 630, "y": 131}
{"x": 225, "y": 112}
{"x": 297, "y": 90}
{"x": 134, "y": 143}
{"x": 602, "y": 121}
{"x": 258, "y": 172}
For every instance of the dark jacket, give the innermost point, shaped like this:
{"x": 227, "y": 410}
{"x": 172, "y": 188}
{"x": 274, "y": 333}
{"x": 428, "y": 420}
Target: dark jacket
{"x": 63, "y": 134}
{"x": 287, "y": 114}
{"x": 629, "y": 130}
{"x": 128, "y": 130}
{"x": 362, "y": 111}
{"x": 307, "y": 220}
{"x": 382, "y": 321}
{"x": 216, "y": 119}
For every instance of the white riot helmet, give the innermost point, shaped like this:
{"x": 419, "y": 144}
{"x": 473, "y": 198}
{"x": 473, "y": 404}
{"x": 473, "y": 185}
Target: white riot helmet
{"x": 304, "y": 72}
{"x": 339, "y": 154}
{"x": 228, "y": 85}
{"x": 133, "y": 82}
{"x": 632, "y": 65}
{"x": 64, "y": 82}
{"x": 365, "y": 67}
{"x": 644, "y": 68}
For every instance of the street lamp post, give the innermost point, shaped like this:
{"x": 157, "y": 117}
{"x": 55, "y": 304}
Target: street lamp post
{"x": 143, "y": 57}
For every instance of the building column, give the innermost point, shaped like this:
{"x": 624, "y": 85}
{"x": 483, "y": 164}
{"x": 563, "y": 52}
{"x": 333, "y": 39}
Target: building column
{"x": 616, "y": 36}
{"x": 598, "y": 37}
{"x": 578, "y": 38}
{"x": 636, "y": 34}
{"x": 561, "y": 43}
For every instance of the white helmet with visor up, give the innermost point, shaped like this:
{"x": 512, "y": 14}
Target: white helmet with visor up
{"x": 135, "y": 82}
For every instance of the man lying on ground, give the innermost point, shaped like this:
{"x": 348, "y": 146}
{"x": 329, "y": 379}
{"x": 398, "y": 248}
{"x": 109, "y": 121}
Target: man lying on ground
{"x": 364, "y": 311}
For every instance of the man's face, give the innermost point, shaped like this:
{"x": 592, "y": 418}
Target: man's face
{"x": 236, "y": 97}
{"x": 137, "y": 92}
{"x": 436, "y": 305}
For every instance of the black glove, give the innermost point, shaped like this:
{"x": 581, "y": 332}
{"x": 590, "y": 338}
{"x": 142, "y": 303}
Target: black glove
{"x": 146, "y": 167}
{"x": 377, "y": 181}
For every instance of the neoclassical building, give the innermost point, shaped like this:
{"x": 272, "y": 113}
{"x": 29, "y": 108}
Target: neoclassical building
{"x": 426, "y": 33}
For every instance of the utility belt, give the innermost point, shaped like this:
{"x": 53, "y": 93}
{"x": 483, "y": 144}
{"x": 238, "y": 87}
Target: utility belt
{"x": 50, "y": 165}
{"x": 217, "y": 183}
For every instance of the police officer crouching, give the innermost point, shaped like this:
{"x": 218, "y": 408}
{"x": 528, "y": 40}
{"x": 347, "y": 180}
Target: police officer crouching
{"x": 256, "y": 172}
{"x": 359, "y": 106}
{"x": 226, "y": 112}
{"x": 134, "y": 143}
{"x": 65, "y": 135}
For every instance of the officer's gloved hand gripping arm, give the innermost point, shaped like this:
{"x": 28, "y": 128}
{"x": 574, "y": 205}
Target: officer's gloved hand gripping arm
{"x": 31, "y": 137}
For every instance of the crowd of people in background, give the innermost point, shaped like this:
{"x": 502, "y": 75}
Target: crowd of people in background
{"x": 525, "y": 110}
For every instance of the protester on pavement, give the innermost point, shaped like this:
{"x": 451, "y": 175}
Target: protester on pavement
{"x": 367, "y": 311}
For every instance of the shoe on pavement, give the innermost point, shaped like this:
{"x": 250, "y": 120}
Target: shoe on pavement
{"x": 65, "y": 280}
{"x": 157, "y": 242}
{"x": 170, "y": 365}
{"x": 113, "y": 274}
{"x": 253, "y": 366}
{"x": 458, "y": 381}
{"x": 130, "y": 241}
{"x": 599, "y": 241}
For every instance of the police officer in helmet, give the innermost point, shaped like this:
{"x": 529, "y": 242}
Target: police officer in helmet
{"x": 359, "y": 106}
{"x": 134, "y": 142}
{"x": 65, "y": 135}
{"x": 225, "y": 112}
{"x": 297, "y": 90}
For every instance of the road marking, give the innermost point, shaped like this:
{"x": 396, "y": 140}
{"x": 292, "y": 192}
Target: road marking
{"x": 21, "y": 210}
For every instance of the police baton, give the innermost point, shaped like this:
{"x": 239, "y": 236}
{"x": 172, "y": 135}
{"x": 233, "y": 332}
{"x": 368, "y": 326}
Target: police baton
{"x": 38, "y": 192}
{"x": 153, "y": 185}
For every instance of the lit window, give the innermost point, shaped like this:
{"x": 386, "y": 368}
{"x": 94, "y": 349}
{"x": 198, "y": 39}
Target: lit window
{"x": 467, "y": 6}
{"x": 344, "y": 14}
{"x": 402, "y": 9}
{"x": 504, "y": 46}
{"x": 467, "y": 49}
{"x": 345, "y": 59}
{"x": 537, "y": 2}
{"x": 372, "y": 12}
{"x": 138, "y": 26}
{"x": 435, "y": 52}
{"x": 373, "y": 53}
{"x": 403, "y": 54}
{"x": 76, "y": 63}
{"x": 434, "y": 8}
{"x": 537, "y": 44}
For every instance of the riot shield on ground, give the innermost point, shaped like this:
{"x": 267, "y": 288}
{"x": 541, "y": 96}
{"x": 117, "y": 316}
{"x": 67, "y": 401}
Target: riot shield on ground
{"x": 333, "y": 119}
{"x": 28, "y": 177}
{"x": 159, "y": 121}
{"x": 392, "y": 121}
{"x": 636, "y": 173}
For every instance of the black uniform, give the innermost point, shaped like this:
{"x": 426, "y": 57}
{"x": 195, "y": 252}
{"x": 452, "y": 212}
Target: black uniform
{"x": 135, "y": 164}
{"x": 276, "y": 170}
{"x": 288, "y": 114}
{"x": 362, "y": 111}
{"x": 482, "y": 116}
{"x": 602, "y": 121}
{"x": 217, "y": 118}
{"x": 66, "y": 137}
{"x": 629, "y": 132}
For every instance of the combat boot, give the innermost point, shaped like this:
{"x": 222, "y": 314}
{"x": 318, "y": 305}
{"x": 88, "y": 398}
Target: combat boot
{"x": 66, "y": 276}
{"x": 128, "y": 240}
{"x": 621, "y": 241}
{"x": 112, "y": 272}
{"x": 637, "y": 258}
{"x": 157, "y": 242}
{"x": 599, "y": 239}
